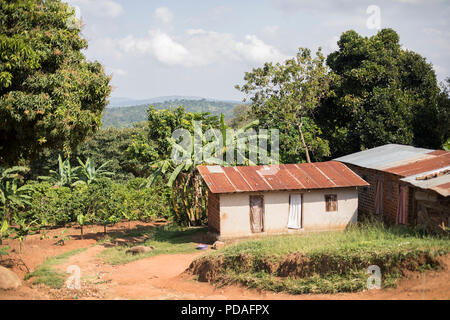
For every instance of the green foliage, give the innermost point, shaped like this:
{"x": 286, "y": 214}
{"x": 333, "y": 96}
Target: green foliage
{"x": 380, "y": 93}
{"x": 89, "y": 173}
{"x": 446, "y": 145}
{"x": 103, "y": 202}
{"x": 162, "y": 123}
{"x": 189, "y": 200}
{"x": 128, "y": 151}
{"x": 12, "y": 196}
{"x": 4, "y": 250}
{"x": 4, "y": 230}
{"x": 242, "y": 115}
{"x": 54, "y": 205}
{"x": 285, "y": 96}
{"x": 50, "y": 95}
{"x": 23, "y": 229}
{"x": 66, "y": 176}
{"x": 125, "y": 117}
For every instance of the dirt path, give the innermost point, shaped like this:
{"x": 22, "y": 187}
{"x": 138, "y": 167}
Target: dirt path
{"x": 163, "y": 277}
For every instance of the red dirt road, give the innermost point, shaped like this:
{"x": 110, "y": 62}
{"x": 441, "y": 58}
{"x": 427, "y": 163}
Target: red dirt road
{"x": 163, "y": 277}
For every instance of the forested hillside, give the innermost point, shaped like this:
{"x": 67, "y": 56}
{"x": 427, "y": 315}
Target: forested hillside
{"x": 125, "y": 117}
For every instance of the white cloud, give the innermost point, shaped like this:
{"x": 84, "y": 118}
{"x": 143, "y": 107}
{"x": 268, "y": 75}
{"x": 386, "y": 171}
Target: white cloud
{"x": 200, "y": 47}
{"x": 255, "y": 50}
{"x": 101, "y": 8}
{"x": 118, "y": 71}
{"x": 168, "y": 51}
{"x": 163, "y": 15}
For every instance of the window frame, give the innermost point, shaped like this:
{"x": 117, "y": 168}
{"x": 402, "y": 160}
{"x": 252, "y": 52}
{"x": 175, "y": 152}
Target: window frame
{"x": 327, "y": 201}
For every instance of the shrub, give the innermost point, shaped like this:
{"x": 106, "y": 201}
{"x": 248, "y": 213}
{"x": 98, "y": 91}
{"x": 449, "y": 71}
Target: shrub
{"x": 105, "y": 202}
{"x": 51, "y": 205}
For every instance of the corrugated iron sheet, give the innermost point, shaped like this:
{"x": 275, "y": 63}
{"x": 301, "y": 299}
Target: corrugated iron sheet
{"x": 406, "y": 161}
{"x": 421, "y": 166}
{"x": 385, "y": 156}
{"x": 439, "y": 184}
{"x": 319, "y": 175}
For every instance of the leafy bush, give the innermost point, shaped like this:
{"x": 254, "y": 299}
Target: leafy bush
{"x": 104, "y": 202}
{"x": 51, "y": 205}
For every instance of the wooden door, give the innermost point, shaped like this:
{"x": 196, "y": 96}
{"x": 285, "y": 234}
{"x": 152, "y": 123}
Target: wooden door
{"x": 257, "y": 213}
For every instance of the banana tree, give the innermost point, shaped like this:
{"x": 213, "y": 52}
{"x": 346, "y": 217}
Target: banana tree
{"x": 11, "y": 195}
{"x": 65, "y": 176}
{"x": 189, "y": 200}
{"x": 23, "y": 230}
{"x": 88, "y": 173}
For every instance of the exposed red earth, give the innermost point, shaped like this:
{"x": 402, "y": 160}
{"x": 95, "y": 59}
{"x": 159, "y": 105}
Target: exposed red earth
{"x": 163, "y": 276}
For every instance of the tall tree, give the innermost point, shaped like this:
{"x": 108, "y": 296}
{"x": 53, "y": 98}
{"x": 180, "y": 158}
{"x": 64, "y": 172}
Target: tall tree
{"x": 50, "y": 95}
{"x": 285, "y": 96}
{"x": 379, "y": 93}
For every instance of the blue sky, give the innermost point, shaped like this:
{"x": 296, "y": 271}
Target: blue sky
{"x": 204, "y": 47}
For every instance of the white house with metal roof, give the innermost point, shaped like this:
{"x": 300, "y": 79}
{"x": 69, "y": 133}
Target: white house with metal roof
{"x": 257, "y": 200}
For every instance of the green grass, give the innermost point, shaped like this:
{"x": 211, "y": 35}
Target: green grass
{"x": 327, "y": 262}
{"x": 165, "y": 240}
{"x": 45, "y": 274}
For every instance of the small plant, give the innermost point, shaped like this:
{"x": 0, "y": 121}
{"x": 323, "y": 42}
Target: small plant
{"x": 130, "y": 216}
{"x": 82, "y": 220}
{"x": 3, "y": 229}
{"x": 63, "y": 238}
{"x": 4, "y": 251}
{"x": 44, "y": 235}
{"x": 23, "y": 230}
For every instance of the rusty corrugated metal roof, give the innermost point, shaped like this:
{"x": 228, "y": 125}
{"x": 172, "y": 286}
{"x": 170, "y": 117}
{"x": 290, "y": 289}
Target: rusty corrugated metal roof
{"x": 421, "y": 166}
{"x": 405, "y": 161}
{"x": 303, "y": 176}
{"x": 436, "y": 180}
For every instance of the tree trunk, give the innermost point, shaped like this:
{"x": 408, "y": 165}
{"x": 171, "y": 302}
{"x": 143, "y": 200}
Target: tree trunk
{"x": 104, "y": 229}
{"x": 299, "y": 127}
{"x": 82, "y": 235}
{"x": 6, "y": 211}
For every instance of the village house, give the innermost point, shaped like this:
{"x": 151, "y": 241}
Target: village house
{"x": 274, "y": 199}
{"x": 408, "y": 185}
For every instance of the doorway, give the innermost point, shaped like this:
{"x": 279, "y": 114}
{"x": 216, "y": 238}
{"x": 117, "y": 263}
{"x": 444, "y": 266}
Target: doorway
{"x": 257, "y": 213}
{"x": 295, "y": 211}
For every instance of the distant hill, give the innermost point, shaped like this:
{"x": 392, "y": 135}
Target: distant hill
{"x": 127, "y": 102}
{"x": 125, "y": 117}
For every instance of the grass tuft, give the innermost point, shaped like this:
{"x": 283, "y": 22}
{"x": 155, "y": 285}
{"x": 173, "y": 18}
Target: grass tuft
{"x": 45, "y": 274}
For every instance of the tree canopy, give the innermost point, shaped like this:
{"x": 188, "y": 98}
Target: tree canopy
{"x": 50, "y": 95}
{"x": 285, "y": 96}
{"x": 380, "y": 93}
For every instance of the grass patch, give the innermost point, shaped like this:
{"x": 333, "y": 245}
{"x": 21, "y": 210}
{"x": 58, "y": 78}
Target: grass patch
{"x": 327, "y": 262}
{"x": 45, "y": 274}
{"x": 168, "y": 239}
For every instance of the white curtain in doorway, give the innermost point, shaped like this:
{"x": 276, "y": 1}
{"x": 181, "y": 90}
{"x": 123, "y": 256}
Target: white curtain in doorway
{"x": 295, "y": 211}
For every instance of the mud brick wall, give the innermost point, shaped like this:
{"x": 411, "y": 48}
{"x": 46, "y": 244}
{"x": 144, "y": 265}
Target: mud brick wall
{"x": 366, "y": 195}
{"x": 213, "y": 212}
